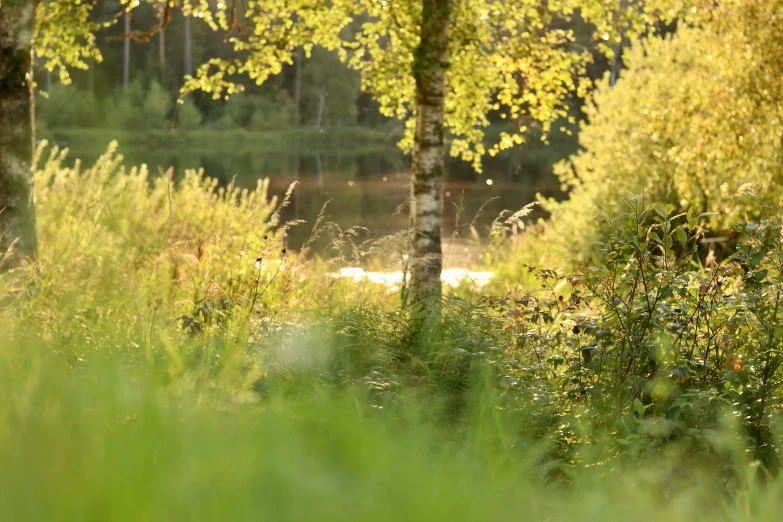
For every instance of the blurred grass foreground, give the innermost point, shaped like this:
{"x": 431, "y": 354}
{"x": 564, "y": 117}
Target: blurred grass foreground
{"x": 168, "y": 358}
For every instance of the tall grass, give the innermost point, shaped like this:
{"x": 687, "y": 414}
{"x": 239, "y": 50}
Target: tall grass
{"x": 110, "y": 439}
{"x": 169, "y": 358}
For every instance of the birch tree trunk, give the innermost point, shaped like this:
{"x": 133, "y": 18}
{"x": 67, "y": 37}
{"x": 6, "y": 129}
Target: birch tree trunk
{"x": 428, "y": 165}
{"x": 17, "y": 209}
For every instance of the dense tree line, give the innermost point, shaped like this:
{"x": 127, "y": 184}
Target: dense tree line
{"x": 151, "y": 66}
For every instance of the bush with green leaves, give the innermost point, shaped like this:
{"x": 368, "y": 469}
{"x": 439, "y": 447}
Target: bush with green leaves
{"x": 138, "y": 108}
{"x": 188, "y": 115}
{"x": 272, "y": 114}
{"x": 335, "y": 89}
{"x": 693, "y": 121}
{"x": 156, "y": 107}
{"x": 66, "y": 107}
{"x": 655, "y": 344}
{"x": 126, "y": 247}
{"x": 126, "y": 113}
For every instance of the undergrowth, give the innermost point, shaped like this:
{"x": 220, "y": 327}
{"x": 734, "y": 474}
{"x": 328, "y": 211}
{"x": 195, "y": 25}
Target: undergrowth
{"x": 169, "y": 356}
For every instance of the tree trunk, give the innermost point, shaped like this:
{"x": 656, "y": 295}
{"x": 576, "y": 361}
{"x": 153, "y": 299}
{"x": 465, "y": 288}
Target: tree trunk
{"x": 126, "y": 54}
{"x": 320, "y": 116}
{"x": 428, "y": 165}
{"x": 298, "y": 86}
{"x": 188, "y": 52}
{"x": 162, "y": 47}
{"x": 17, "y": 130}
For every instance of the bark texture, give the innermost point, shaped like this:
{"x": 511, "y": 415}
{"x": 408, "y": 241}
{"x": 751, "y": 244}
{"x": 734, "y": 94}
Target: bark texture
{"x": 428, "y": 166}
{"x": 17, "y": 209}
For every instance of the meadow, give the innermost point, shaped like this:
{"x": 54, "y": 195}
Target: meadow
{"x": 168, "y": 358}
{"x": 409, "y": 260}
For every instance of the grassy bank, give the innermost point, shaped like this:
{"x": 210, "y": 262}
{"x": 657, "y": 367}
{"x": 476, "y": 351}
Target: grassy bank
{"x": 168, "y": 358}
{"x": 353, "y": 138}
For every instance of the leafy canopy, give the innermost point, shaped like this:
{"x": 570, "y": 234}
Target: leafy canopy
{"x": 511, "y": 57}
{"x": 65, "y": 36}
{"x": 507, "y": 56}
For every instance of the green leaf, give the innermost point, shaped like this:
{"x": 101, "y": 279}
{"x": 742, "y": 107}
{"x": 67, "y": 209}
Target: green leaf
{"x": 682, "y": 237}
{"x": 638, "y": 407}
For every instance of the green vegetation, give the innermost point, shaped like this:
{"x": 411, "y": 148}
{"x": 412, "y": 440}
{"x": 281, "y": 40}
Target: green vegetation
{"x": 168, "y": 357}
{"x": 689, "y": 124}
{"x": 185, "y": 347}
{"x": 291, "y": 140}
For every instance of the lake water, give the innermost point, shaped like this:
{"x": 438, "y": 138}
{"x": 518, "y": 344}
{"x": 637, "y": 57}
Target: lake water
{"x": 364, "y": 187}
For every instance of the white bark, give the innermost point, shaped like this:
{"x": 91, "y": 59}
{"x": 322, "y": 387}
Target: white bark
{"x": 17, "y": 209}
{"x": 428, "y": 164}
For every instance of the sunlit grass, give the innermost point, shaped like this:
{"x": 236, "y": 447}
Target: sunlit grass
{"x": 170, "y": 359}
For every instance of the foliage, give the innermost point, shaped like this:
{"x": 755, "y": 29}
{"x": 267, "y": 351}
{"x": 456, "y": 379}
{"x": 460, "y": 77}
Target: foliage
{"x": 135, "y": 241}
{"x": 168, "y": 356}
{"x": 258, "y": 112}
{"x": 148, "y": 440}
{"x": 188, "y": 115}
{"x": 276, "y": 114}
{"x": 321, "y": 81}
{"x": 65, "y": 36}
{"x": 688, "y": 124}
{"x": 509, "y": 57}
{"x": 126, "y": 112}
{"x": 165, "y": 321}
{"x": 156, "y": 107}
{"x": 139, "y": 107}
{"x": 650, "y": 341}
{"x": 67, "y": 108}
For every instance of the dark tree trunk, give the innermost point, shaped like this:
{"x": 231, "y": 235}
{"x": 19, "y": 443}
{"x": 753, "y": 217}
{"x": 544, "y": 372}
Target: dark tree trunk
{"x": 428, "y": 165}
{"x": 126, "y": 52}
{"x": 17, "y": 131}
{"x": 188, "y": 51}
{"x": 298, "y": 86}
{"x": 162, "y": 47}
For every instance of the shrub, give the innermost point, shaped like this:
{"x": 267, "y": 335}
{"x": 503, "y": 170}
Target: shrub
{"x": 67, "y": 107}
{"x": 137, "y": 108}
{"x": 655, "y": 344}
{"x": 239, "y": 109}
{"x": 339, "y": 90}
{"x": 126, "y": 113}
{"x": 189, "y": 117}
{"x": 127, "y": 240}
{"x": 646, "y": 345}
{"x": 269, "y": 114}
{"x": 156, "y": 108}
{"x": 685, "y": 125}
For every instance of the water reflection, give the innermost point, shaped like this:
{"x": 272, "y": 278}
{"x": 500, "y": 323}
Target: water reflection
{"x": 393, "y": 280}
